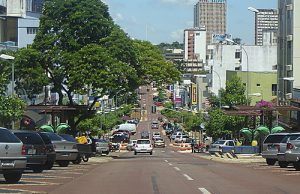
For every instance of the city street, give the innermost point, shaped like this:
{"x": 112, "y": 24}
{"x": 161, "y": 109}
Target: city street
{"x": 167, "y": 171}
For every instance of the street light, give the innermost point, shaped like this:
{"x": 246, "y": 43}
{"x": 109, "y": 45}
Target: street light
{"x": 247, "y": 58}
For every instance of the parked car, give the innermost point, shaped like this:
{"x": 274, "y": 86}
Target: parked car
{"x": 143, "y": 146}
{"x": 131, "y": 144}
{"x": 292, "y": 153}
{"x": 154, "y": 124}
{"x": 181, "y": 138}
{"x": 282, "y": 161}
{"x": 66, "y": 151}
{"x": 34, "y": 149}
{"x": 159, "y": 142}
{"x": 270, "y": 147}
{"x": 51, "y": 154}
{"x": 177, "y": 133}
{"x": 218, "y": 145}
{"x": 12, "y": 160}
{"x": 101, "y": 146}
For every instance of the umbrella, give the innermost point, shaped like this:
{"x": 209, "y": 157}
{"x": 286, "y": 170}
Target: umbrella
{"x": 277, "y": 129}
{"x": 62, "y": 128}
{"x": 262, "y": 130}
{"x": 246, "y": 133}
{"x": 47, "y": 128}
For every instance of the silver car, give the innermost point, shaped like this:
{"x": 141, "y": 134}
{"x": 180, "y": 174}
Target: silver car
{"x": 12, "y": 162}
{"x": 282, "y": 161}
{"x": 102, "y": 146}
{"x": 217, "y": 146}
{"x": 66, "y": 151}
{"x": 270, "y": 147}
{"x": 292, "y": 153}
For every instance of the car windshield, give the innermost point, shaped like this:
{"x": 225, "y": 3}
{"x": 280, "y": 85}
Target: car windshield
{"x": 54, "y": 137}
{"x": 290, "y": 137}
{"x": 45, "y": 138}
{"x": 159, "y": 139}
{"x": 29, "y": 138}
{"x": 8, "y": 137}
{"x": 219, "y": 142}
{"x": 143, "y": 141}
{"x": 68, "y": 137}
{"x": 274, "y": 138}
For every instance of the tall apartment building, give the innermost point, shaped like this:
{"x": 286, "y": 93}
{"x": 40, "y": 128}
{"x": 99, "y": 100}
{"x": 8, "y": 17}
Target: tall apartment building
{"x": 195, "y": 48}
{"x": 265, "y": 20}
{"x": 211, "y": 14}
{"x": 19, "y": 21}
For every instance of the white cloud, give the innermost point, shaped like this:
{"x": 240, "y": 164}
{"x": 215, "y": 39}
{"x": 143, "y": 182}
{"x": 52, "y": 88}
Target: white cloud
{"x": 177, "y": 35}
{"x": 187, "y": 2}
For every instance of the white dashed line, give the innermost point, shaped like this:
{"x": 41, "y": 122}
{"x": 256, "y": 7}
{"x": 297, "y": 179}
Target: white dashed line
{"x": 204, "y": 191}
{"x": 170, "y": 164}
{"x": 163, "y": 151}
{"x": 188, "y": 177}
{"x": 166, "y": 161}
{"x": 176, "y": 168}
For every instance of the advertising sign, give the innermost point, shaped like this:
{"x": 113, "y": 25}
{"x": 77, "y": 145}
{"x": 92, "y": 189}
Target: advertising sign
{"x": 194, "y": 94}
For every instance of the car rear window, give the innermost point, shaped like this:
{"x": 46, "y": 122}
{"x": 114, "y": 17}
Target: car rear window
{"x": 143, "y": 141}
{"x": 8, "y": 137}
{"x": 274, "y": 138}
{"x": 290, "y": 137}
{"x": 54, "y": 137}
{"x": 45, "y": 138}
{"x": 29, "y": 138}
{"x": 68, "y": 137}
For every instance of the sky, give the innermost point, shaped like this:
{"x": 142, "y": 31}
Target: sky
{"x": 165, "y": 20}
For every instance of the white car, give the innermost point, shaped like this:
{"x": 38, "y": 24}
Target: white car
{"x": 155, "y": 135}
{"x": 218, "y": 145}
{"x": 143, "y": 146}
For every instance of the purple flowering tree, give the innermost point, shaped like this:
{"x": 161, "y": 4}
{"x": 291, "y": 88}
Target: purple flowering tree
{"x": 266, "y": 110}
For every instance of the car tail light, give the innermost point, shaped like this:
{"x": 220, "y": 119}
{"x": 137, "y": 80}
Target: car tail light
{"x": 23, "y": 152}
{"x": 289, "y": 146}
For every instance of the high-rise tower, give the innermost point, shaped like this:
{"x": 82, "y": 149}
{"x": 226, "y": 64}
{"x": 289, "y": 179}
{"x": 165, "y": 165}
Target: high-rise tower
{"x": 265, "y": 20}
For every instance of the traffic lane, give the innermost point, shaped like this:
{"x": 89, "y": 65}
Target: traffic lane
{"x": 131, "y": 174}
{"x": 232, "y": 178}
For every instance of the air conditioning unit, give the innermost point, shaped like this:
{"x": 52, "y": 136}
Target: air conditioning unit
{"x": 289, "y": 67}
{"x": 288, "y": 96}
{"x": 289, "y": 37}
{"x": 289, "y": 7}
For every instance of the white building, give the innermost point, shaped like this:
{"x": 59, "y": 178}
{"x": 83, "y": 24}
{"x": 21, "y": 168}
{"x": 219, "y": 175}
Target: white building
{"x": 239, "y": 58}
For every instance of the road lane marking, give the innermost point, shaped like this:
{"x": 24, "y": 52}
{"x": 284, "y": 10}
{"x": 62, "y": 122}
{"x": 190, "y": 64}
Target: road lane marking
{"x": 170, "y": 164}
{"x": 204, "y": 191}
{"x": 188, "y": 177}
{"x": 163, "y": 151}
{"x": 166, "y": 161}
{"x": 176, "y": 168}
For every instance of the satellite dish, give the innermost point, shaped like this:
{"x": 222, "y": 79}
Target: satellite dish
{"x": 202, "y": 126}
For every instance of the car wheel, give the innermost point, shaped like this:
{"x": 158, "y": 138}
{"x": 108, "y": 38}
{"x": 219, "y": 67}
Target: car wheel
{"x": 12, "y": 178}
{"x": 63, "y": 163}
{"x": 150, "y": 153}
{"x": 85, "y": 159}
{"x": 38, "y": 169}
{"x": 297, "y": 165}
{"x": 77, "y": 161}
{"x": 134, "y": 153}
{"x": 270, "y": 162}
{"x": 283, "y": 164}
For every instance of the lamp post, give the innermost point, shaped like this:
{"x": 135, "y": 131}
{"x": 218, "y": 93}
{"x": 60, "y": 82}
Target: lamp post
{"x": 8, "y": 57}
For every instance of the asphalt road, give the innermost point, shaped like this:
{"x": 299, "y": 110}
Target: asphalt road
{"x": 165, "y": 172}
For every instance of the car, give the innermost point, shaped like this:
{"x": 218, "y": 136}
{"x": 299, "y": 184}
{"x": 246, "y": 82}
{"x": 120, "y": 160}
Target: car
{"x": 145, "y": 135}
{"x": 292, "y": 153}
{"x": 12, "y": 159}
{"x": 178, "y": 133}
{"x": 154, "y": 124}
{"x": 155, "y": 135}
{"x": 159, "y": 142}
{"x": 101, "y": 146}
{"x": 128, "y": 127}
{"x": 218, "y": 145}
{"x": 143, "y": 146}
{"x": 131, "y": 144}
{"x": 51, "y": 154}
{"x": 34, "y": 149}
{"x": 282, "y": 160}
{"x": 181, "y": 138}
{"x": 66, "y": 151}
{"x": 270, "y": 147}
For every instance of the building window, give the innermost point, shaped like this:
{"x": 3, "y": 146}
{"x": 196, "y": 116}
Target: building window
{"x": 32, "y": 30}
{"x": 274, "y": 89}
{"x": 258, "y": 85}
{"x": 238, "y": 54}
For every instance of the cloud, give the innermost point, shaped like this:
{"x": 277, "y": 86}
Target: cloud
{"x": 177, "y": 35}
{"x": 118, "y": 17}
{"x": 187, "y": 2}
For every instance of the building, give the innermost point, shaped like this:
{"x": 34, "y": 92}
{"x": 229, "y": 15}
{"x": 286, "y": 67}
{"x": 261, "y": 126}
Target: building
{"x": 265, "y": 20}
{"x": 19, "y": 21}
{"x": 289, "y": 60}
{"x": 194, "y": 49}
{"x": 211, "y": 14}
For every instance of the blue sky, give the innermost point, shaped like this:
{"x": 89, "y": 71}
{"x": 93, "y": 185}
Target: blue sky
{"x": 164, "y": 20}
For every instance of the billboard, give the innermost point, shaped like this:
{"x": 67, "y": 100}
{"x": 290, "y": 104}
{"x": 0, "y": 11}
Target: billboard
{"x": 194, "y": 94}
{"x": 212, "y": 1}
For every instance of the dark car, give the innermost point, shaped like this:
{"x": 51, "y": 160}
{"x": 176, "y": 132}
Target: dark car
{"x": 12, "y": 160}
{"x": 51, "y": 154}
{"x": 145, "y": 135}
{"x": 34, "y": 149}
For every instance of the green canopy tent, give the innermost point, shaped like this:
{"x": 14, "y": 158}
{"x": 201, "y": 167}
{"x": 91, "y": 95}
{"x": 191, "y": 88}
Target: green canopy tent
{"x": 277, "y": 129}
{"x": 63, "y": 128}
{"x": 261, "y": 132}
{"x": 246, "y": 133}
{"x": 47, "y": 128}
